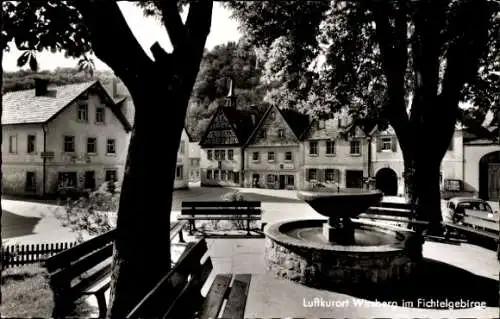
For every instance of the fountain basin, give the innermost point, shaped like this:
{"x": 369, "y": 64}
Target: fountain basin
{"x": 297, "y": 250}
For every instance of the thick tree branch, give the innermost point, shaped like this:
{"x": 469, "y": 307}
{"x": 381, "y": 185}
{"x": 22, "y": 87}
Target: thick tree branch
{"x": 172, "y": 21}
{"x": 113, "y": 43}
{"x": 199, "y": 19}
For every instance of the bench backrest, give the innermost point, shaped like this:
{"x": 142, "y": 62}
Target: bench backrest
{"x": 221, "y": 208}
{"x": 178, "y": 293}
{"x": 481, "y": 219}
{"x": 70, "y": 264}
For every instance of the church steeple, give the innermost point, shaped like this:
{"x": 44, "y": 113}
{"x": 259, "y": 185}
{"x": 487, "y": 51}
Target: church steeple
{"x": 230, "y": 98}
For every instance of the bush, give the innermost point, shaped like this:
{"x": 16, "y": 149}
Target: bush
{"x": 92, "y": 215}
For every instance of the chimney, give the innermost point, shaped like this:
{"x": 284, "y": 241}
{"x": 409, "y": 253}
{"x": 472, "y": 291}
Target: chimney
{"x": 41, "y": 86}
{"x": 115, "y": 88}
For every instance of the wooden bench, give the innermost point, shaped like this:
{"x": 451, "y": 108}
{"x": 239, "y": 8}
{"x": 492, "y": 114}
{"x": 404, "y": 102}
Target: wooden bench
{"x": 477, "y": 227}
{"x": 85, "y": 269}
{"x": 178, "y": 293}
{"x": 221, "y": 210}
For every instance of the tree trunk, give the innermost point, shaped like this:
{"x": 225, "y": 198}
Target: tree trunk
{"x": 142, "y": 245}
{"x": 2, "y": 46}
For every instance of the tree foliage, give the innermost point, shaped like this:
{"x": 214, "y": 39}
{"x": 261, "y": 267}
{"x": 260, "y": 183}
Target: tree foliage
{"x": 236, "y": 62}
{"x": 339, "y": 64}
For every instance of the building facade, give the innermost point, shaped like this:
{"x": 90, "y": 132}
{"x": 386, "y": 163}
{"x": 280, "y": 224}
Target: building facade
{"x": 194, "y": 162}
{"x": 69, "y": 137}
{"x": 181, "y": 180}
{"x": 222, "y": 146}
{"x": 273, "y": 154}
{"x": 388, "y": 164}
{"x": 332, "y": 158}
{"x": 482, "y": 164}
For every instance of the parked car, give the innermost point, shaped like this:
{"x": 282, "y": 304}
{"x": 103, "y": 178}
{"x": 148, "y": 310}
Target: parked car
{"x": 456, "y": 206}
{"x": 455, "y": 188}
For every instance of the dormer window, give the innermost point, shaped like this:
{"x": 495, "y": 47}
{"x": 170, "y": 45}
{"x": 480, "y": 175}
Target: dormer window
{"x": 262, "y": 134}
{"x": 100, "y": 115}
{"x": 281, "y": 133}
{"x": 83, "y": 112}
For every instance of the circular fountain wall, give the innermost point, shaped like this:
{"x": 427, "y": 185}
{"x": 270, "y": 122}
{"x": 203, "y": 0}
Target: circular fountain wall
{"x": 297, "y": 250}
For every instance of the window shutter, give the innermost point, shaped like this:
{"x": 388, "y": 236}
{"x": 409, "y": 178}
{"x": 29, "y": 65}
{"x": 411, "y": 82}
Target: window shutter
{"x": 379, "y": 144}
{"x": 394, "y": 144}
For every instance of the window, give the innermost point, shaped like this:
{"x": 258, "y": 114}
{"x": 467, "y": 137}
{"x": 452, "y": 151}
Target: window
{"x": 230, "y": 176}
{"x": 271, "y": 179}
{"x": 83, "y": 112}
{"x": 330, "y": 147}
{"x": 217, "y": 155}
{"x": 209, "y": 154}
{"x": 110, "y": 175}
{"x": 178, "y": 172}
{"x": 223, "y": 155}
{"x": 312, "y": 174}
{"x": 181, "y": 147}
{"x": 230, "y": 155}
{"x": 223, "y": 175}
{"x": 313, "y": 148}
{"x": 281, "y": 133}
{"x": 30, "y": 184}
{"x": 67, "y": 179}
{"x": 262, "y": 134}
{"x": 290, "y": 180}
{"x": 255, "y": 156}
{"x": 110, "y": 146}
{"x": 91, "y": 145}
{"x": 386, "y": 143}
{"x": 209, "y": 174}
{"x": 237, "y": 177}
{"x": 216, "y": 174}
{"x": 450, "y": 147}
{"x": 13, "y": 144}
{"x": 272, "y": 116}
{"x": 332, "y": 175}
{"x": 270, "y": 156}
{"x": 339, "y": 124}
{"x": 100, "y": 115}
{"x": 355, "y": 150}
{"x": 288, "y": 156}
{"x": 69, "y": 144}
{"x": 31, "y": 143}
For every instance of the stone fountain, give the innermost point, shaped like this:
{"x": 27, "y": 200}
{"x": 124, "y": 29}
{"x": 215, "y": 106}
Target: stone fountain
{"x": 342, "y": 250}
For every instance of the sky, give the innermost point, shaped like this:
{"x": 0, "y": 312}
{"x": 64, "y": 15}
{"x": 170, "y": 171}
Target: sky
{"x": 146, "y": 30}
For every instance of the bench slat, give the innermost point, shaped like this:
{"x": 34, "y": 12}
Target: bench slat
{"x": 473, "y": 231}
{"x": 99, "y": 285}
{"x": 218, "y": 218}
{"x": 82, "y": 265}
{"x": 215, "y": 296}
{"x": 70, "y": 255}
{"x": 221, "y": 211}
{"x": 190, "y": 297}
{"x": 173, "y": 282}
{"x": 236, "y": 302}
{"x": 208, "y": 204}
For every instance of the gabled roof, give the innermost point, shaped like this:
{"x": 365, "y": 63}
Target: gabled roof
{"x": 297, "y": 122}
{"x": 242, "y": 122}
{"x": 24, "y": 107}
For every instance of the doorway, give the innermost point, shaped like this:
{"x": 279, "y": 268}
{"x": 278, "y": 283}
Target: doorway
{"x": 89, "y": 180}
{"x": 282, "y": 182}
{"x": 354, "y": 179}
{"x": 386, "y": 180}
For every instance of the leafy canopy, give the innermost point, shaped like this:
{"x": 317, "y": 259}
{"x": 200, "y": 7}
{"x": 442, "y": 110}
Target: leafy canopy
{"x": 326, "y": 55}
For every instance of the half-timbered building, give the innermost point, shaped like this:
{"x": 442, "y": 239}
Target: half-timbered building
{"x": 222, "y": 146}
{"x": 273, "y": 155}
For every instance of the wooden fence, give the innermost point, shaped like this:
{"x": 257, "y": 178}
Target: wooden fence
{"x": 19, "y": 255}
